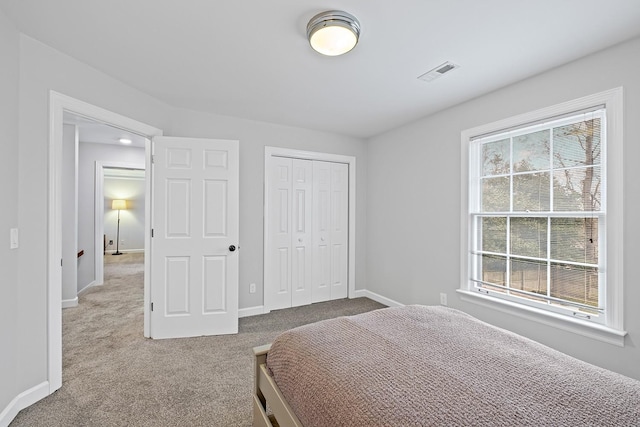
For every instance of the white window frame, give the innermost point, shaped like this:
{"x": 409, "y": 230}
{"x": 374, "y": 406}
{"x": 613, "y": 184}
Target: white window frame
{"x": 611, "y": 330}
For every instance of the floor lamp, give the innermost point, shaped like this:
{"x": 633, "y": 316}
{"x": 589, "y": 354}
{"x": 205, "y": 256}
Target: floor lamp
{"x": 119, "y": 205}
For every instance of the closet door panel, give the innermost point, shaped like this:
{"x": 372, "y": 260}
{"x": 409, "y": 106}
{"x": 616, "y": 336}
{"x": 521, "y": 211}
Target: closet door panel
{"x": 301, "y": 252}
{"x": 339, "y": 233}
{"x": 279, "y": 261}
{"x": 321, "y": 231}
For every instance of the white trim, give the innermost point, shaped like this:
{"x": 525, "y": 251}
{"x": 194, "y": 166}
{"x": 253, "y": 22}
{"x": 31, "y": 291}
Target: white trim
{"x": 587, "y": 329}
{"x": 98, "y": 218}
{"x": 327, "y": 157}
{"x": 70, "y": 303}
{"x": 23, "y": 400}
{"x": 128, "y": 251}
{"x": 613, "y": 101}
{"x": 251, "y": 311}
{"x": 363, "y": 293}
{"x": 59, "y": 103}
{"x": 148, "y": 223}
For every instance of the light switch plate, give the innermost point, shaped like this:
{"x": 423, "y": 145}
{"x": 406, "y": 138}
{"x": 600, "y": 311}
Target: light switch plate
{"x": 14, "y": 238}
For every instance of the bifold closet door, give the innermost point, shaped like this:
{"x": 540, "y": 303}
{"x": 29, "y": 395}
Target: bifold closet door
{"x": 330, "y": 230}
{"x": 308, "y": 213}
{"x": 288, "y": 269}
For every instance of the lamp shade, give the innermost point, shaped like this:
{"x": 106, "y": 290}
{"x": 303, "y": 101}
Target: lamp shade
{"x": 118, "y": 204}
{"x": 333, "y": 32}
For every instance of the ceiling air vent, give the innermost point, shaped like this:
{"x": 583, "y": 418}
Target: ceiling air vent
{"x": 439, "y": 71}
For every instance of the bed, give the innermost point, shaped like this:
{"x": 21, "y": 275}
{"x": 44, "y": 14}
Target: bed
{"x": 426, "y": 366}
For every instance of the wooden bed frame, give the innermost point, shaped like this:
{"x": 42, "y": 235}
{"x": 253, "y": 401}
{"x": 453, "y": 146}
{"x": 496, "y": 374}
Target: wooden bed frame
{"x": 267, "y": 393}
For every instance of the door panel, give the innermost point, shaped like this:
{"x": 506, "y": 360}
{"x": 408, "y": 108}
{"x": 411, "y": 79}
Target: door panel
{"x": 321, "y": 231}
{"x": 215, "y": 271}
{"x": 301, "y": 237}
{"x": 194, "y": 274}
{"x": 278, "y": 264}
{"x": 339, "y": 229}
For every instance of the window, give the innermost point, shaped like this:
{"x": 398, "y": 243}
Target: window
{"x": 543, "y": 210}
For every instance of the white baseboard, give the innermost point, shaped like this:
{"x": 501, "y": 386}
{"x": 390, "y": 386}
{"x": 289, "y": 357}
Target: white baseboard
{"x": 126, "y": 251}
{"x": 67, "y": 303}
{"x": 378, "y": 298}
{"x": 251, "y": 311}
{"x": 21, "y": 401}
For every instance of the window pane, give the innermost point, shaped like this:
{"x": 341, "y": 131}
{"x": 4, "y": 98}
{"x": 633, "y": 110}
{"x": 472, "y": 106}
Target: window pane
{"x": 530, "y": 276}
{"x": 575, "y": 283}
{"x": 575, "y": 239}
{"x": 529, "y": 237}
{"x": 531, "y": 152}
{"x": 531, "y": 192}
{"x": 577, "y": 189}
{"x": 493, "y": 234}
{"x": 495, "y": 194}
{"x": 495, "y": 158}
{"x": 494, "y": 269}
{"x": 577, "y": 144}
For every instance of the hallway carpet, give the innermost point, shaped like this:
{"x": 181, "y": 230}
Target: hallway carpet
{"x": 113, "y": 376}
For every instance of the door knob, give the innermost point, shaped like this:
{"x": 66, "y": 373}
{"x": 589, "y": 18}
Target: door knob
{"x": 232, "y": 248}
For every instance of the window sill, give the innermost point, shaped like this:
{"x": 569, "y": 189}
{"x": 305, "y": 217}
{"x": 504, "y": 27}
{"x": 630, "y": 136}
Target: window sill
{"x": 577, "y": 326}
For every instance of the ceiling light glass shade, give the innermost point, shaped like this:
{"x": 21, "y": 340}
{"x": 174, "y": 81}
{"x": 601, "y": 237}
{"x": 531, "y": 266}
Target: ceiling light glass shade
{"x": 333, "y": 32}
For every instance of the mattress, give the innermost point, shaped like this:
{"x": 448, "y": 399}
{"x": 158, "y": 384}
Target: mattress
{"x": 425, "y": 366}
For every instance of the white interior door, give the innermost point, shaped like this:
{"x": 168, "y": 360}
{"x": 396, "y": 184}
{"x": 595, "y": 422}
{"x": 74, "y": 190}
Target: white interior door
{"x": 321, "y": 281}
{"x": 194, "y": 265}
{"x": 278, "y": 259}
{"x": 330, "y": 231}
{"x": 301, "y": 255}
{"x": 339, "y": 224}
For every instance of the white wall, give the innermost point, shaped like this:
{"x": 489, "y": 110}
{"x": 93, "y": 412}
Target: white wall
{"x": 410, "y": 225}
{"x": 43, "y": 69}
{"x": 10, "y": 328}
{"x": 254, "y": 136}
{"x": 89, "y": 153}
{"x": 413, "y": 204}
{"x": 131, "y": 220}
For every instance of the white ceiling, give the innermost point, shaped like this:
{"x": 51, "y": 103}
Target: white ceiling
{"x": 251, "y": 58}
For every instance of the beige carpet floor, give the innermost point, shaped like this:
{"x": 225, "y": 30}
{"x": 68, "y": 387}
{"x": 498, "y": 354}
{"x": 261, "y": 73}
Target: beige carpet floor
{"x": 113, "y": 376}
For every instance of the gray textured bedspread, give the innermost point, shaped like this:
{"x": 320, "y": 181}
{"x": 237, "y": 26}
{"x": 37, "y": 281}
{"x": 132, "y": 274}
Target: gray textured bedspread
{"x": 435, "y": 366}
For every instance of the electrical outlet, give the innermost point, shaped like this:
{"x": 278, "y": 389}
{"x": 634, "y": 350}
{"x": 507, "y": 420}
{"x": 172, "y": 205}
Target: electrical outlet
{"x": 110, "y": 242}
{"x": 252, "y": 288}
{"x": 443, "y": 299}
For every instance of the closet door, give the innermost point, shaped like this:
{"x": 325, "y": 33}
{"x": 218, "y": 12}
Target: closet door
{"x": 330, "y": 230}
{"x": 321, "y": 232}
{"x": 339, "y": 223}
{"x": 288, "y": 270}
{"x": 278, "y": 265}
{"x": 307, "y": 237}
{"x": 301, "y": 252}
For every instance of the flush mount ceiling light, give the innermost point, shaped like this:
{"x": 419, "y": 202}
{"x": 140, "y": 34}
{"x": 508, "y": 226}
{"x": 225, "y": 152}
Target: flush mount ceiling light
{"x": 333, "y": 32}
{"x": 125, "y": 141}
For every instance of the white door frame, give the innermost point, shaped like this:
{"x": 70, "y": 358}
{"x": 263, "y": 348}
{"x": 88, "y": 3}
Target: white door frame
{"x": 99, "y": 212}
{"x": 313, "y": 155}
{"x": 58, "y": 103}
